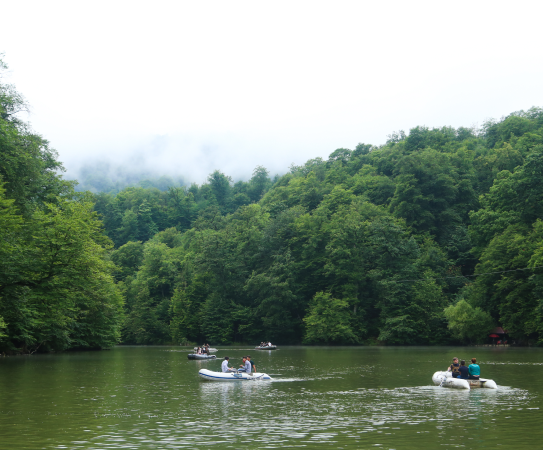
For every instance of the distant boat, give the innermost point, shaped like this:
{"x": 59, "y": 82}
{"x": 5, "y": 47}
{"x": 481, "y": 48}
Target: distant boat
{"x": 232, "y": 376}
{"x": 445, "y": 379}
{"x": 196, "y": 356}
{"x": 210, "y": 349}
{"x": 266, "y": 347}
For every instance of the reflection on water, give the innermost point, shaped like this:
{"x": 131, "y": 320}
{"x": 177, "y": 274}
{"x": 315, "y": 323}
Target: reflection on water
{"x": 152, "y": 398}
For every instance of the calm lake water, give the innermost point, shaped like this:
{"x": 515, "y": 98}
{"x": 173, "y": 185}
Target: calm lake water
{"x": 321, "y": 397}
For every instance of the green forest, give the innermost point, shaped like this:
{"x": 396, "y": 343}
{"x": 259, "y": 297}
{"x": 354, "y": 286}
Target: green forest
{"x": 433, "y": 238}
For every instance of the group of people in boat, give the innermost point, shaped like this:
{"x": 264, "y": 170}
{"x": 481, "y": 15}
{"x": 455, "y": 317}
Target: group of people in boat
{"x": 203, "y": 350}
{"x": 266, "y": 344}
{"x": 459, "y": 370}
{"x": 248, "y": 366}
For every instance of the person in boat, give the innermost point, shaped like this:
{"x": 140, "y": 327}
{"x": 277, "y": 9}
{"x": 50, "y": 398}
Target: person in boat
{"x": 224, "y": 365}
{"x": 253, "y": 366}
{"x": 454, "y": 368}
{"x": 464, "y": 371}
{"x": 199, "y": 351}
{"x": 246, "y": 366}
{"x": 474, "y": 370}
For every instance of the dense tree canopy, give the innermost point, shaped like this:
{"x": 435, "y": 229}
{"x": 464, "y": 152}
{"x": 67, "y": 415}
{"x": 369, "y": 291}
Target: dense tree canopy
{"x": 432, "y": 238}
{"x": 56, "y": 286}
{"x": 407, "y": 243}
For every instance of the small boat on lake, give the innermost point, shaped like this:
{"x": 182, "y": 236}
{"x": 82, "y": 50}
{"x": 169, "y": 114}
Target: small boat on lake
{"x": 266, "y": 347}
{"x": 445, "y": 379}
{"x": 197, "y": 356}
{"x": 232, "y": 376}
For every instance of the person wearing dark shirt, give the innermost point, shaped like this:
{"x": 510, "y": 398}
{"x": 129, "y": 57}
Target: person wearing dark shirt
{"x": 464, "y": 371}
{"x": 454, "y": 368}
{"x": 253, "y": 366}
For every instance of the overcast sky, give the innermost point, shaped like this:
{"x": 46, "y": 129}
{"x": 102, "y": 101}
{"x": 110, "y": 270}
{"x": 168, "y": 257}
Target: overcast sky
{"x": 186, "y": 87}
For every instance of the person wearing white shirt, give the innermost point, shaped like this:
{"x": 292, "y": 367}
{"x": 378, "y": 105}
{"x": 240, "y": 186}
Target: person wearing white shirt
{"x": 224, "y": 365}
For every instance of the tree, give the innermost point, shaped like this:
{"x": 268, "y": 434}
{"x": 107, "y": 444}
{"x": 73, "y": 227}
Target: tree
{"x": 277, "y": 305}
{"x": 328, "y": 321}
{"x": 418, "y": 319}
{"x": 468, "y": 323}
{"x": 220, "y": 186}
{"x": 426, "y": 191}
{"x": 60, "y": 292}
{"x": 128, "y": 259}
{"x": 10, "y": 225}
{"x": 28, "y": 166}
{"x": 365, "y": 245}
{"x": 149, "y": 296}
{"x": 511, "y": 296}
{"x": 56, "y": 288}
{"x": 259, "y": 183}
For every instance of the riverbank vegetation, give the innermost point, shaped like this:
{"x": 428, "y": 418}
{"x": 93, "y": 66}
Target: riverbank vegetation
{"x": 434, "y": 237}
{"x": 56, "y": 287}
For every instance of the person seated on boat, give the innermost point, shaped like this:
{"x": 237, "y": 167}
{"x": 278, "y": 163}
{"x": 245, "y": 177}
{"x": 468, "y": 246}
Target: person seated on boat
{"x": 269, "y": 344}
{"x": 199, "y": 351}
{"x": 464, "y": 371}
{"x": 474, "y": 370}
{"x": 253, "y": 366}
{"x": 224, "y": 365}
{"x": 245, "y": 367}
{"x": 454, "y": 368}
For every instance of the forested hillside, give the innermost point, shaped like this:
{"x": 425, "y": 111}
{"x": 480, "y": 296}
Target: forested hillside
{"x": 56, "y": 287}
{"x": 435, "y": 237}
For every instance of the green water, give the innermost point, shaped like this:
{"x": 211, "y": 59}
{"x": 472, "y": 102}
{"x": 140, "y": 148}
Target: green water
{"x": 321, "y": 397}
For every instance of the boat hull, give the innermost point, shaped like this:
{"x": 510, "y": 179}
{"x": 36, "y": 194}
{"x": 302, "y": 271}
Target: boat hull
{"x": 232, "y": 376}
{"x": 271, "y": 347}
{"x": 445, "y": 379}
{"x": 195, "y": 356}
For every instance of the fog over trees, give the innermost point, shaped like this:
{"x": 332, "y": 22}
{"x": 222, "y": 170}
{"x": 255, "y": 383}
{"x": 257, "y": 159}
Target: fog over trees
{"x": 434, "y": 237}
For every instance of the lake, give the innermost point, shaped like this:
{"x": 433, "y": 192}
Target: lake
{"x": 321, "y": 397}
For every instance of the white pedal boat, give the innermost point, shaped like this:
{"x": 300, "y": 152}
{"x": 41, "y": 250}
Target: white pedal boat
{"x": 267, "y": 347}
{"x": 232, "y": 376}
{"x": 445, "y": 379}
